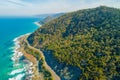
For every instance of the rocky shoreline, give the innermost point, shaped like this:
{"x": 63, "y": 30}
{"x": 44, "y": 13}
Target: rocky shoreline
{"x": 36, "y": 74}
{"x": 18, "y": 54}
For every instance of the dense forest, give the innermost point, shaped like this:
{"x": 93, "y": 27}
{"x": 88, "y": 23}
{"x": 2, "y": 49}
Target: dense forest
{"x": 88, "y": 39}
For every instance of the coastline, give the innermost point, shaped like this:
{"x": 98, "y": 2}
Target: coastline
{"x": 18, "y": 54}
{"x": 38, "y": 24}
{"x": 36, "y": 74}
{"x": 33, "y": 68}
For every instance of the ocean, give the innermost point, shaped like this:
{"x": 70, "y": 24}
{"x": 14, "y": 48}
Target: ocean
{"x": 10, "y": 29}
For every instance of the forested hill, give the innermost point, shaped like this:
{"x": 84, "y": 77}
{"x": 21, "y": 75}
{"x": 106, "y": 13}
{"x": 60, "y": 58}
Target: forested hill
{"x": 50, "y": 17}
{"x": 88, "y": 39}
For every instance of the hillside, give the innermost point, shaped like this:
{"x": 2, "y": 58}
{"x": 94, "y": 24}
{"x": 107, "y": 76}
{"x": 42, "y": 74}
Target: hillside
{"x": 88, "y": 39}
{"x": 50, "y": 17}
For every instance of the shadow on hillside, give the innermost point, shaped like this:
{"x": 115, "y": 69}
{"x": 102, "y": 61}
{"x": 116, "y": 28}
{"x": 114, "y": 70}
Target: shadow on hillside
{"x": 65, "y": 72}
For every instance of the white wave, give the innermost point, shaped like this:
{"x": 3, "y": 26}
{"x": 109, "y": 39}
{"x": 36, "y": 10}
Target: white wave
{"x": 16, "y": 64}
{"x": 29, "y": 68}
{"x": 16, "y": 71}
{"x": 11, "y": 48}
{"x": 18, "y": 77}
{"x": 16, "y": 57}
{"x": 38, "y": 24}
{"x": 17, "y": 54}
{"x": 16, "y": 39}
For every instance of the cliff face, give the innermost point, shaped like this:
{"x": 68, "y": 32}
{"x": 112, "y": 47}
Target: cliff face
{"x": 88, "y": 39}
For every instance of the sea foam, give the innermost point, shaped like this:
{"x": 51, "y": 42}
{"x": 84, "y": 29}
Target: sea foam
{"x": 28, "y": 69}
{"x": 18, "y": 77}
{"x": 16, "y": 71}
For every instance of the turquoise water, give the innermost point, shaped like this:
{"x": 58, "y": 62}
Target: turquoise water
{"x": 10, "y": 28}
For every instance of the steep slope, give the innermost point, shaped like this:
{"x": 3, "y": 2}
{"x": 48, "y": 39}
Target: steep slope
{"x": 88, "y": 39}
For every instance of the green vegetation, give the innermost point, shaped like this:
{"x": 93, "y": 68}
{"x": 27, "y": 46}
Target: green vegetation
{"x": 42, "y": 69}
{"x": 88, "y": 39}
{"x": 36, "y": 54}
